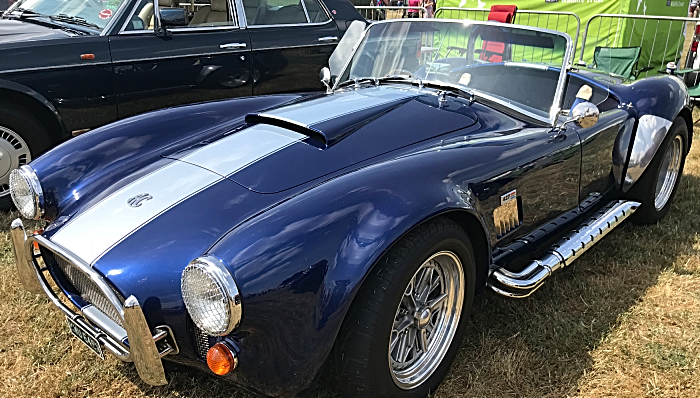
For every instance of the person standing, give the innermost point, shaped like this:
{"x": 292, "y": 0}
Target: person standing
{"x": 429, "y": 7}
{"x": 413, "y": 12}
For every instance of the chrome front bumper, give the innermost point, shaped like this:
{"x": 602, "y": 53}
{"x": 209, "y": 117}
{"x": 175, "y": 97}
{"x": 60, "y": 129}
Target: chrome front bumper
{"x": 133, "y": 343}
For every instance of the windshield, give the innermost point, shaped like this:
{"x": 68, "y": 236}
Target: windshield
{"x": 92, "y": 14}
{"x": 518, "y": 67}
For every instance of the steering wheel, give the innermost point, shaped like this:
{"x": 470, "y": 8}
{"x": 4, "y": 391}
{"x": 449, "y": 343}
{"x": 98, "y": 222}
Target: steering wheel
{"x": 396, "y": 72}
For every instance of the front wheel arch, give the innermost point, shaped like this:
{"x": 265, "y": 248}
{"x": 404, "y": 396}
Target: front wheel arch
{"x": 49, "y": 118}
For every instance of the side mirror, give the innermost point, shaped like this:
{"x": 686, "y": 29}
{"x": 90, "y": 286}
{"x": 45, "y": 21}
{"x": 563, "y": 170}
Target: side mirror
{"x": 584, "y": 115}
{"x": 170, "y": 17}
{"x": 325, "y": 76}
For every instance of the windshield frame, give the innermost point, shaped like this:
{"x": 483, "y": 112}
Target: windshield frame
{"x": 104, "y": 32}
{"x": 561, "y": 81}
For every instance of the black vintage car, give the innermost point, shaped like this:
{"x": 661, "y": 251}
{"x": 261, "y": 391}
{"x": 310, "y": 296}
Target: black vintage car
{"x": 70, "y": 66}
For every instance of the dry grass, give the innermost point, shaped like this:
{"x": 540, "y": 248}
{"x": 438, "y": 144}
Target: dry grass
{"x": 624, "y": 321}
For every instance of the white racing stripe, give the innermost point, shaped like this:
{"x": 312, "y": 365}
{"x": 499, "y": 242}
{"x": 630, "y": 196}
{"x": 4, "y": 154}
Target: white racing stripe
{"x": 110, "y": 221}
{"x": 330, "y": 107}
{"x": 241, "y": 149}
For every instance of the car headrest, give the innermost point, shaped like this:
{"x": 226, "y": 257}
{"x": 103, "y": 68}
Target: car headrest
{"x": 218, "y": 5}
{"x": 289, "y": 15}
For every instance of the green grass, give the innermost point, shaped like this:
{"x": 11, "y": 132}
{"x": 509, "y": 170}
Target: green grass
{"x": 623, "y": 321}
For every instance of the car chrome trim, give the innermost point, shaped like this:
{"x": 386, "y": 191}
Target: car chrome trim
{"x": 289, "y": 25}
{"x": 299, "y": 46}
{"x": 144, "y": 352}
{"x": 29, "y": 175}
{"x": 25, "y": 269}
{"x": 561, "y": 82}
{"x": 651, "y": 131}
{"x": 306, "y": 13}
{"x": 218, "y": 270}
{"x": 84, "y": 234}
{"x": 141, "y": 341}
{"x": 525, "y": 282}
{"x": 180, "y": 56}
{"x": 42, "y": 68}
{"x": 103, "y": 322}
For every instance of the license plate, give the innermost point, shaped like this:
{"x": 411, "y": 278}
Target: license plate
{"x": 85, "y": 337}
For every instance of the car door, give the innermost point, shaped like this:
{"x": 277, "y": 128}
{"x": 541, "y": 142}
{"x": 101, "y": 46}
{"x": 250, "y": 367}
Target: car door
{"x": 291, "y": 41}
{"x": 597, "y": 142}
{"x": 207, "y": 58}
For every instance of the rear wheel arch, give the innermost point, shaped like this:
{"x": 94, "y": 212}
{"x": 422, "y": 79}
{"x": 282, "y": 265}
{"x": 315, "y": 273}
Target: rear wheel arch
{"x": 36, "y": 108}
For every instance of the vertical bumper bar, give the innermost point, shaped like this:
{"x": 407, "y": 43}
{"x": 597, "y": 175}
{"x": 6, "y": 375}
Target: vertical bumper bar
{"x": 25, "y": 267}
{"x": 143, "y": 348}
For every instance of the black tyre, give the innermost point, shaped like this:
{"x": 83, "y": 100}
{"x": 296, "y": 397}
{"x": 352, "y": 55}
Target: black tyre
{"x": 657, "y": 187}
{"x": 406, "y": 324}
{"x": 22, "y": 137}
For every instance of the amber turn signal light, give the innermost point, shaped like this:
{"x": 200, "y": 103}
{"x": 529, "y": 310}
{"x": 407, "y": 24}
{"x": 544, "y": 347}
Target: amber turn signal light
{"x": 37, "y": 232}
{"x": 220, "y": 359}
{"x": 87, "y": 56}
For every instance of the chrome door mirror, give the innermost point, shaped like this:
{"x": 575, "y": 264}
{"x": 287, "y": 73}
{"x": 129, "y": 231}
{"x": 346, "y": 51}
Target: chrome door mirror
{"x": 325, "y": 76}
{"x": 584, "y": 115}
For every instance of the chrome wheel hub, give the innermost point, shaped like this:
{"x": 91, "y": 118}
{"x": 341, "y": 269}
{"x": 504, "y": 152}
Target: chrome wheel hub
{"x": 668, "y": 173}
{"x": 426, "y": 320}
{"x": 14, "y": 153}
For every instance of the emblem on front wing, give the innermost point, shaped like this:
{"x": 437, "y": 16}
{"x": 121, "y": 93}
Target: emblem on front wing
{"x": 138, "y": 199}
{"x": 507, "y": 216}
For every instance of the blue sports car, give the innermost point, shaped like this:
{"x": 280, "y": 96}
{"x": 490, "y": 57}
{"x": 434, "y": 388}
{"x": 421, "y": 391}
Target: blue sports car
{"x": 272, "y": 239}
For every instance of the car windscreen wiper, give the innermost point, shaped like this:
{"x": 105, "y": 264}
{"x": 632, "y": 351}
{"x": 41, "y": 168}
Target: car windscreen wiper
{"x": 75, "y": 21}
{"x": 21, "y": 13}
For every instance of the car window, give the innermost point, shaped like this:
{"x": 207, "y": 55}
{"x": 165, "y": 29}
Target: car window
{"x": 316, "y": 12}
{"x": 283, "y": 12}
{"x": 202, "y": 13}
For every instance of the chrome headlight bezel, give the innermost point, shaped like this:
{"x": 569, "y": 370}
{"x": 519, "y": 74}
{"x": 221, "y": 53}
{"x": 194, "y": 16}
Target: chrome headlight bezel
{"x": 27, "y": 176}
{"x": 217, "y": 273}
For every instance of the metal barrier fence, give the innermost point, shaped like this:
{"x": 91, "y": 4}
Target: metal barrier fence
{"x": 636, "y": 31}
{"x": 554, "y": 20}
{"x": 380, "y": 13}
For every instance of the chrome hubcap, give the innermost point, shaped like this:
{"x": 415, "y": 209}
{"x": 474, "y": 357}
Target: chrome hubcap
{"x": 668, "y": 173}
{"x": 14, "y": 153}
{"x": 426, "y": 320}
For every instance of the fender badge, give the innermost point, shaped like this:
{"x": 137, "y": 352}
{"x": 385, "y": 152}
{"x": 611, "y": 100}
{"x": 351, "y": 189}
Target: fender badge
{"x": 508, "y": 215}
{"x": 138, "y": 199}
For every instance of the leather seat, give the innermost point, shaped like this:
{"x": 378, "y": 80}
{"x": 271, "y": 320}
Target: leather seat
{"x": 251, "y": 8}
{"x": 146, "y": 13}
{"x": 215, "y": 14}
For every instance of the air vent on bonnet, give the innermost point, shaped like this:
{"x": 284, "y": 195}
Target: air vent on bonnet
{"x": 259, "y": 118}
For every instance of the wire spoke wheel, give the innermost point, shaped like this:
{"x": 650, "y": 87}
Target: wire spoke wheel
{"x": 668, "y": 173}
{"x": 14, "y": 152}
{"x": 426, "y": 320}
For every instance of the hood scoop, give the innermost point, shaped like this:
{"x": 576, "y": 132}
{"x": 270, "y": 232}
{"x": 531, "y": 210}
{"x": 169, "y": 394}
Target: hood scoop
{"x": 286, "y": 147}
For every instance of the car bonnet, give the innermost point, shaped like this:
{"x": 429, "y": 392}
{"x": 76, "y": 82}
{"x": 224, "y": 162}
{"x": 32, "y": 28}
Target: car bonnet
{"x": 292, "y": 145}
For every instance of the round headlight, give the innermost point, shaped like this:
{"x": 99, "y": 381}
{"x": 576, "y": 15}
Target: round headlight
{"x": 26, "y": 192}
{"x": 211, "y": 296}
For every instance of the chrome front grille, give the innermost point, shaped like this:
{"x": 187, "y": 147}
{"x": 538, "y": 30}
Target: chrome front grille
{"x": 86, "y": 287}
{"x": 201, "y": 341}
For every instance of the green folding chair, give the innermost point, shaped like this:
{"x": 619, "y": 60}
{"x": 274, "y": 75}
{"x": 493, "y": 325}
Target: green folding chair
{"x": 621, "y": 61}
{"x": 694, "y": 91}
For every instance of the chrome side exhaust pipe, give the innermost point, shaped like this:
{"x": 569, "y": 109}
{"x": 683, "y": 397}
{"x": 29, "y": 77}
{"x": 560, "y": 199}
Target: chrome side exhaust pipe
{"x": 522, "y": 284}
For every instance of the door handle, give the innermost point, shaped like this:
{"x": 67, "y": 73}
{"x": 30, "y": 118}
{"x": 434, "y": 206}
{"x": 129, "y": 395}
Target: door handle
{"x": 232, "y": 46}
{"x": 327, "y": 39}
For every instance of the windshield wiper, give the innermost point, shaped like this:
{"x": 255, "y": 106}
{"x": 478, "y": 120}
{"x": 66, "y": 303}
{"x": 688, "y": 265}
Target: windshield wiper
{"x": 21, "y": 13}
{"x": 75, "y": 21}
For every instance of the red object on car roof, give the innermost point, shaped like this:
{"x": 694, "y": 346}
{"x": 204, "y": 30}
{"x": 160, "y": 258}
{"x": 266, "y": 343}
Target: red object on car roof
{"x": 493, "y": 51}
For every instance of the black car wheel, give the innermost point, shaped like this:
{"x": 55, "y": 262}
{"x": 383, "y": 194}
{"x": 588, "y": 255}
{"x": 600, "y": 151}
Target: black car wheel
{"x": 657, "y": 187}
{"x": 405, "y": 326}
{"x": 21, "y": 137}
